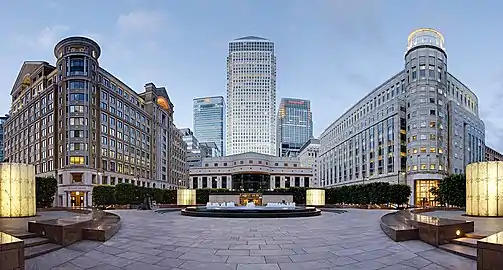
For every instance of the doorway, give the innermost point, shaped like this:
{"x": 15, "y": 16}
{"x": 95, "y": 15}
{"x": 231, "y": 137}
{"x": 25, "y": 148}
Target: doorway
{"x": 77, "y": 199}
{"x": 245, "y": 198}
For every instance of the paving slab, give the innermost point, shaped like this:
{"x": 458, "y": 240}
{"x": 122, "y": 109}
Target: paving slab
{"x": 148, "y": 240}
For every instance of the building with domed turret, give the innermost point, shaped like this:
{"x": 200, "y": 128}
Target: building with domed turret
{"x": 77, "y": 122}
{"x": 414, "y": 129}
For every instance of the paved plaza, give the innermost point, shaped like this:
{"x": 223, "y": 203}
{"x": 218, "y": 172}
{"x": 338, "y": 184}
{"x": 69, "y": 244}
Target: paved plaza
{"x": 149, "y": 240}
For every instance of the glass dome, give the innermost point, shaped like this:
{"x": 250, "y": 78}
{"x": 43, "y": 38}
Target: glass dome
{"x": 425, "y": 36}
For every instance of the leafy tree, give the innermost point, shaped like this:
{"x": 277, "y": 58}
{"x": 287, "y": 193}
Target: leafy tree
{"x": 452, "y": 190}
{"x": 45, "y": 189}
{"x": 103, "y": 195}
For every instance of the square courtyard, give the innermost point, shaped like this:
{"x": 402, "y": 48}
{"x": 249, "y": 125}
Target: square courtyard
{"x": 150, "y": 240}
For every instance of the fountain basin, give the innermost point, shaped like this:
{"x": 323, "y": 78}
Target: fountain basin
{"x": 251, "y": 212}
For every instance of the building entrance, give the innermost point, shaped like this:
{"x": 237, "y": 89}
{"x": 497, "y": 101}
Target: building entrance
{"x": 77, "y": 199}
{"x": 250, "y": 182}
{"x": 245, "y": 198}
{"x": 424, "y": 197}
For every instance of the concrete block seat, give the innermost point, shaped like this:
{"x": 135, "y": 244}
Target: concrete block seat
{"x": 396, "y": 227}
{"x": 97, "y": 225}
{"x": 103, "y": 228}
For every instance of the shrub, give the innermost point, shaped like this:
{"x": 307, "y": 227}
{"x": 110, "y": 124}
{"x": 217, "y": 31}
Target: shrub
{"x": 46, "y": 188}
{"x": 103, "y": 195}
{"x": 372, "y": 193}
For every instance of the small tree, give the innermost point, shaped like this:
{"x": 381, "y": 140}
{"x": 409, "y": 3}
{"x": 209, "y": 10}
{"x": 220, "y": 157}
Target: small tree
{"x": 103, "y": 195}
{"x": 46, "y": 188}
{"x": 452, "y": 190}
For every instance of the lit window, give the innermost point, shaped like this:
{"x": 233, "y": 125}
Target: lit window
{"x": 440, "y": 151}
{"x": 414, "y": 168}
{"x": 433, "y": 137}
{"x": 76, "y": 160}
{"x": 423, "y": 149}
{"x": 414, "y": 137}
{"x": 423, "y": 166}
{"x": 433, "y": 150}
{"x": 433, "y": 124}
{"x": 440, "y": 167}
{"x": 414, "y": 150}
{"x": 432, "y": 166}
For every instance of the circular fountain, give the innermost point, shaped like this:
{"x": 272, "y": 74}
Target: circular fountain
{"x": 250, "y": 210}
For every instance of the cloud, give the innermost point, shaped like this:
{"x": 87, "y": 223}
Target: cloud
{"x": 141, "y": 22}
{"x": 46, "y": 38}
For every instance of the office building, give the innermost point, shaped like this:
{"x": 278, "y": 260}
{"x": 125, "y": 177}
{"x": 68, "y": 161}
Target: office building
{"x": 210, "y": 149}
{"x": 295, "y": 125}
{"x": 209, "y": 114}
{"x": 77, "y": 122}
{"x": 414, "y": 129}
{"x": 2, "y": 121}
{"x": 195, "y": 153}
{"x": 493, "y": 155}
{"x": 250, "y": 172}
{"x": 308, "y": 156}
{"x": 251, "y": 96}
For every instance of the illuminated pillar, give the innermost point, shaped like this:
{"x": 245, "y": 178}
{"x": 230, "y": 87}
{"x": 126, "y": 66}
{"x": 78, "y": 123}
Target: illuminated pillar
{"x": 17, "y": 190}
{"x": 484, "y": 189}
{"x": 315, "y": 197}
{"x": 186, "y": 197}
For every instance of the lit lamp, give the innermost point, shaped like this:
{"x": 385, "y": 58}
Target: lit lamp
{"x": 315, "y": 197}
{"x": 185, "y": 196}
{"x": 484, "y": 189}
{"x": 17, "y": 190}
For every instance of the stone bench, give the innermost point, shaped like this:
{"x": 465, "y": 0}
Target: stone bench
{"x": 490, "y": 252}
{"x": 11, "y": 252}
{"x": 432, "y": 230}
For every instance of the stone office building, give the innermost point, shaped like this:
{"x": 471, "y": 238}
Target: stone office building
{"x": 414, "y": 129}
{"x": 250, "y": 172}
{"x": 77, "y": 122}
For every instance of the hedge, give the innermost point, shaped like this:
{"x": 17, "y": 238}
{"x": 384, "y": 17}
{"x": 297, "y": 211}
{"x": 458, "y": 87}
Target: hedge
{"x": 372, "y": 193}
{"x": 123, "y": 194}
{"x": 46, "y": 188}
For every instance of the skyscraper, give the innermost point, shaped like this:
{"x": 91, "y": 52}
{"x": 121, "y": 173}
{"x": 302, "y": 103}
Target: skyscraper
{"x": 209, "y": 120}
{"x": 295, "y": 125}
{"x": 251, "y": 96}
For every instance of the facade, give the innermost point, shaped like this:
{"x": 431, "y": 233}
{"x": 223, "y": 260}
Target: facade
{"x": 415, "y": 128}
{"x": 210, "y": 149}
{"x": 209, "y": 113}
{"x": 493, "y": 155}
{"x": 2, "y": 121}
{"x": 195, "y": 153}
{"x": 77, "y": 122}
{"x": 250, "y": 172}
{"x": 295, "y": 125}
{"x": 308, "y": 156}
{"x": 251, "y": 96}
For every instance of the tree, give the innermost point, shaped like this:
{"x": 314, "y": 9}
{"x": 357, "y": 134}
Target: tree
{"x": 46, "y": 188}
{"x": 452, "y": 190}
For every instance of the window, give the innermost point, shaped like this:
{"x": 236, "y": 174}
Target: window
{"x": 423, "y": 149}
{"x": 433, "y": 124}
{"x": 76, "y": 109}
{"x": 432, "y": 149}
{"x": 77, "y": 84}
{"x": 433, "y": 112}
{"x": 76, "y": 160}
{"x": 432, "y": 166}
{"x": 74, "y": 121}
{"x": 433, "y": 137}
{"x": 423, "y": 166}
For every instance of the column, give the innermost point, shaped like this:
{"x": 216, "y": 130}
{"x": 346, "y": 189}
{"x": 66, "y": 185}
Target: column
{"x": 301, "y": 182}
{"x": 68, "y": 199}
{"x": 85, "y": 199}
{"x": 229, "y": 182}
{"x": 282, "y": 182}
{"x": 272, "y": 182}
{"x": 219, "y": 181}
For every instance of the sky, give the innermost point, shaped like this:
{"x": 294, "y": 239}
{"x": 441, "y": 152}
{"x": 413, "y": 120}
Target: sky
{"x": 332, "y": 52}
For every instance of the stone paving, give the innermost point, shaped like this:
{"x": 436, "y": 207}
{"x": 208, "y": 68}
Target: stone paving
{"x": 149, "y": 240}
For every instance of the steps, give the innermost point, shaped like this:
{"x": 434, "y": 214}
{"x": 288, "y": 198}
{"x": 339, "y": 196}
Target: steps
{"x": 461, "y": 250}
{"x": 464, "y": 246}
{"x": 35, "y": 246}
{"x": 34, "y": 251}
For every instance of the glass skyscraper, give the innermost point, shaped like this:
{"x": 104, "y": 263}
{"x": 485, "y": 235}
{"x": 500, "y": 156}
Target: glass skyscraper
{"x": 295, "y": 125}
{"x": 209, "y": 120}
